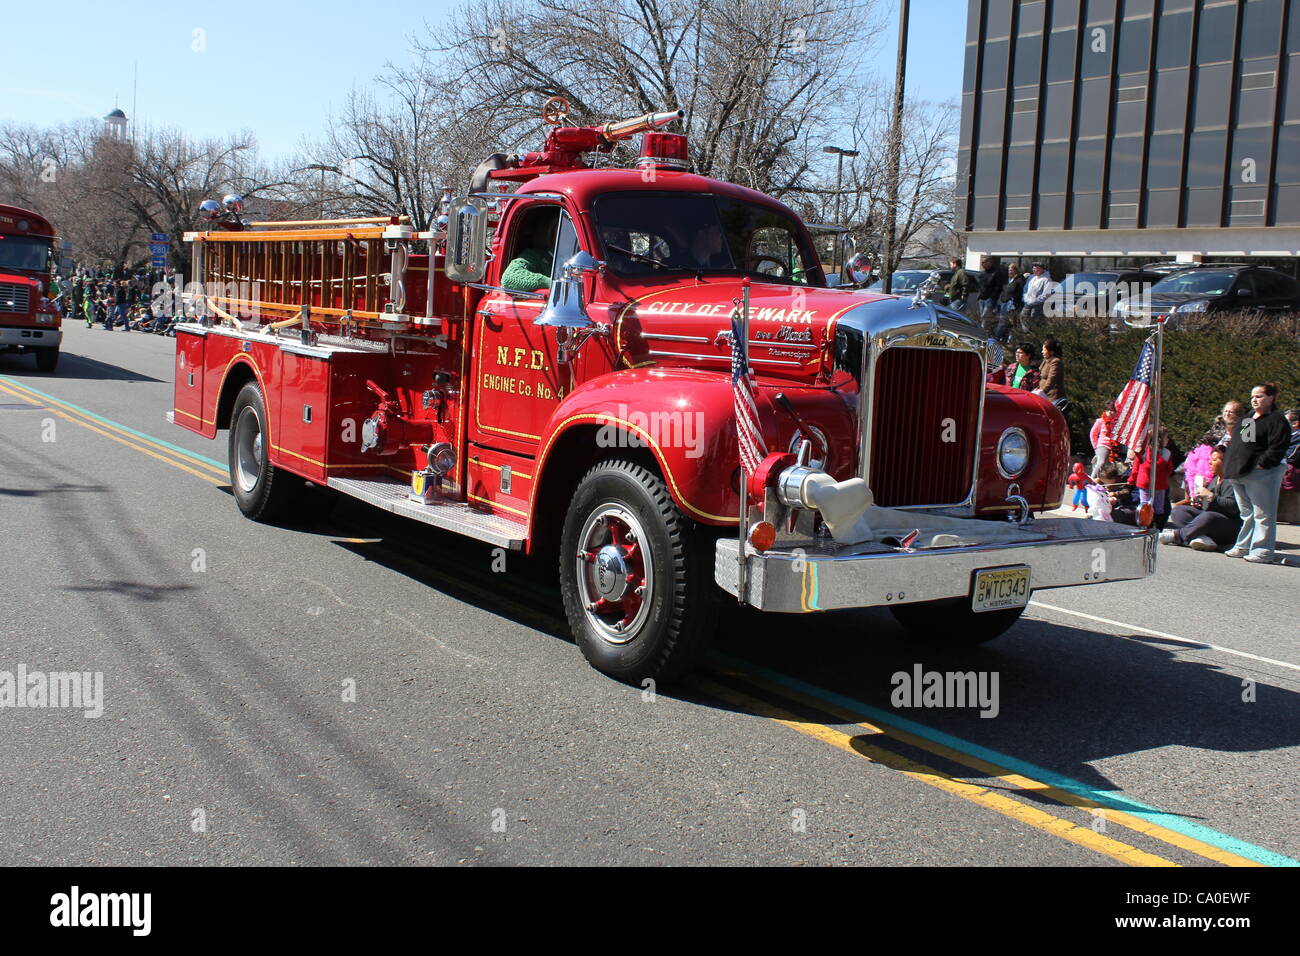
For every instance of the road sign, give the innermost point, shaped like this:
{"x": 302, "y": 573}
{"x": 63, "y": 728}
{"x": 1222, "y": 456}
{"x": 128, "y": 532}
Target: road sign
{"x": 158, "y": 237}
{"x": 158, "y": 262}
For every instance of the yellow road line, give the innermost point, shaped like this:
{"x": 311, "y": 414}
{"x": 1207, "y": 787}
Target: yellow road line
{"x": 122, "y": 441}
{"x": 982, "y": 796}
{"x": 45, "y": 400}
{"x": 1012, "y": 779}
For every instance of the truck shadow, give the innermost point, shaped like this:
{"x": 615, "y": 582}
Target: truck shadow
{"x": 1067, "y": 697}
{"x": 74, "y": 366}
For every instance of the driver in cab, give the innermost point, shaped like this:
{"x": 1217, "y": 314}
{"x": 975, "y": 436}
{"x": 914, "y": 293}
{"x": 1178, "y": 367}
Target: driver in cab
{"x": 530, "y": 269}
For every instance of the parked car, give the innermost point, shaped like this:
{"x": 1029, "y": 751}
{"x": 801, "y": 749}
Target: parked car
{"x": 906, "y": 281}
{"x": 1086, "y": 294}
{"x": 1210, "y": 289}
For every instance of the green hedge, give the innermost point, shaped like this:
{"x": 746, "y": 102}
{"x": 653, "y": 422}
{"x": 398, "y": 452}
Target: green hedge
{"x": 1207, "y": 363}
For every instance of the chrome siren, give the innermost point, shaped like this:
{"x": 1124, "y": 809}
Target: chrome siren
{"x": 210, "y": 210}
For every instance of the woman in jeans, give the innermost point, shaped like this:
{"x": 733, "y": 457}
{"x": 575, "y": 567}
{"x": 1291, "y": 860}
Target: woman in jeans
{"x": 1255, "y": 464}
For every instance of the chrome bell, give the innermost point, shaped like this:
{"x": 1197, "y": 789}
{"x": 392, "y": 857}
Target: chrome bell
{"x": 564, "y": 308}
{"x": 210, "y": 210}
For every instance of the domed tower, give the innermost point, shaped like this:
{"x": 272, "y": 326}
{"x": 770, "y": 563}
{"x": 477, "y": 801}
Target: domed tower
{"x": 115, "y": 125}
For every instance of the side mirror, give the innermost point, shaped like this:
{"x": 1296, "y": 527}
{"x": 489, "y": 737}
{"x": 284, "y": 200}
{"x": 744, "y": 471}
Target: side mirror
{"x": 467, "y": 240}
{"x": 1245, "y": 292}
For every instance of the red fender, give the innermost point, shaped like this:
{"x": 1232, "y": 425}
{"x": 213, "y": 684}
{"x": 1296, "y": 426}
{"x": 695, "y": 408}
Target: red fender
{"x": 685, "y": 417}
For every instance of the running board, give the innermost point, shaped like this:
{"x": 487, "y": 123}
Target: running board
{"x": 449, "y": 515}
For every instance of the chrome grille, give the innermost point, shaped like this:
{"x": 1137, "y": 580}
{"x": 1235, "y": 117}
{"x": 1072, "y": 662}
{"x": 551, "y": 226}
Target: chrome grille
{"x": 14, "y": 298}
{"x": 916, "y": 391}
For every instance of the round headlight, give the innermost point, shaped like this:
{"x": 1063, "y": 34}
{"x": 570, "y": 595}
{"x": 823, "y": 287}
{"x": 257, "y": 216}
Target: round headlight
{"x": 1013, "y": 453}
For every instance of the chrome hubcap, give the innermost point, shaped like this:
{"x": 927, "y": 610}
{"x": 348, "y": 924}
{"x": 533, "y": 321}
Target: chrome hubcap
{"x": 615, "y": 574}
{"x": 248, "y": 450}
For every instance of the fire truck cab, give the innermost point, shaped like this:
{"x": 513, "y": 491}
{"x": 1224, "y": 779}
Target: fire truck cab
{"x": 29, "y": 320}
{"x": 559, "y": 374}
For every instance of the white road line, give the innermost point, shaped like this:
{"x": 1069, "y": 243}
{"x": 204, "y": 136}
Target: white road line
{"x": 1167, "y": 637}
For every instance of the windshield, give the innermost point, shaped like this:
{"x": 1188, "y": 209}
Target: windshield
{"x": 27, "y": 253}
{"x": 1200, "y": 283}
{"x": 644, "y": 233}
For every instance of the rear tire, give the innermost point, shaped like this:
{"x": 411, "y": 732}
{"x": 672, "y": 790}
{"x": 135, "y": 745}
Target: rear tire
{"x": 953, "y": 622}
{"x": 262, "y": 491}
{"x": 47, "y": 360}
{"x": 622, "y": 533}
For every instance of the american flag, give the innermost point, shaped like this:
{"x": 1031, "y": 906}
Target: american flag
{"x": 1133, "y": 407}
{"x": 749, "y": 433}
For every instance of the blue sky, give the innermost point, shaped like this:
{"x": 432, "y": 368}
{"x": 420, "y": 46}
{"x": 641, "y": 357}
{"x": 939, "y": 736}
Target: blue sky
{"x": 277, "y": 67}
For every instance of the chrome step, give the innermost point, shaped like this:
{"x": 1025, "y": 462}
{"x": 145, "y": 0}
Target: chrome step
{"x": 392, "y": 495}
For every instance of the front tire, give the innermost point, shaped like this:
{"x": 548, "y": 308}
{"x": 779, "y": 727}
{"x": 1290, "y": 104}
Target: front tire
{"x": 635, "y": 575}
{"x": 262, "y": 491}
{"x": 953, "y": 622}
{"x": 47, "y": 360}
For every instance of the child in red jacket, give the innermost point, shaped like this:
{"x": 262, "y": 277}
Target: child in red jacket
{"x": 1142, "y": 473}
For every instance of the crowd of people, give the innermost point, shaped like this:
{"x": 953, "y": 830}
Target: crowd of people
{"x": 115, "y": 298}
{"x": 1231, "y": 481}
{"x": 1000, "y": 296}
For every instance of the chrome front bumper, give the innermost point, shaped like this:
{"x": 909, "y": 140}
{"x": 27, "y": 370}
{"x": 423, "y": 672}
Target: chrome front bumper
{"x": 37, "y": 338}
{"x": 1064, "y": 552}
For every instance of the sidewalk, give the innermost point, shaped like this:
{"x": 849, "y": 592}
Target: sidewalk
{"x": 1288, "y": 535}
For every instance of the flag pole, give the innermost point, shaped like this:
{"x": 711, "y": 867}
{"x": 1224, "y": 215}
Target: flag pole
{"x": 743, "y": 347}
{"x": 1155, "y": 415}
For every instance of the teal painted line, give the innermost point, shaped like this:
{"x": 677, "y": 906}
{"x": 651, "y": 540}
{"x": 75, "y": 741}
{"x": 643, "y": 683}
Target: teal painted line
{"x": 1164, "y": 818}
{"x": 108, "y": 421}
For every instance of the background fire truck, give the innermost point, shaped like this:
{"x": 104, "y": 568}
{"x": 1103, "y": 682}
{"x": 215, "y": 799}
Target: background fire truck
{"x": 593, "y": 418}
{"x": 28, "y": 320}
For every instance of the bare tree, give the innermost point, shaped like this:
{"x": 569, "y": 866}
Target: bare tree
{"x": 760, "y": 80}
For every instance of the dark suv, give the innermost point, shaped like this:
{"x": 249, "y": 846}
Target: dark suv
{"x": 1211, "y": 289}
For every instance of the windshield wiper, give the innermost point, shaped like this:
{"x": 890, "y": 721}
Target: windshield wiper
{"x": 636, "y": 255}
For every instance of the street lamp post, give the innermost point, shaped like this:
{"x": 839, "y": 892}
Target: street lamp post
{"x": 839, "y": 152}
{"x": 895, "y": 148}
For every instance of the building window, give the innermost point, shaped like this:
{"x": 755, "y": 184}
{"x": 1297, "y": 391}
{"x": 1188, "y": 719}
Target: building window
{"x": 1089, "y": 154}
{"x": 1130, "y": 105}
{"x": 1024, "y": 121}
{"x": 1134, "y": 46}
{"x": 1029, "y": 60}
{"x": 988, "y": 171}
{"x": 998, "y": 23}
{"x": 1215, "y": 36}
{"x": 993, "y": 75}
{"x": 1060, "y": 55}
{"x": 1288, "y": 154}
{"x": 1031, "y": 17}
{"x": 1261, "y": 28}
{"x": 1094, "y": 101}
{"x": 1171, "y": 100}
{"x": 1174, "y": 42}
{"x": 1052, "y": 161}
{"x": 1056, "y": 121}
{"x": 1065, "y": 14}
{"x": 993, "y": 108}
{"x": 1097, "y": 51}
{"x": 1213, "y": 85}
{"x": 1205, "y": 153}
{"x": 1101, "y": 11}
{"x": 1126, "y": 162}
{"x": 1020, "y": 171}
{"x": 1165, "y": 161}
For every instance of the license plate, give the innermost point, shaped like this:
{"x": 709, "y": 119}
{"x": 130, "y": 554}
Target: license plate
{"x": 995, "y": 589}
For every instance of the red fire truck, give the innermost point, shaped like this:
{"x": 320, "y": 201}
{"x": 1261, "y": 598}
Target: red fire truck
{"x": 29, "y": 321}
{"x": 560, "y": 374}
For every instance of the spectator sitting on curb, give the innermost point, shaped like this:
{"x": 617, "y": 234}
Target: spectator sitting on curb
{"x": 1209, "y": 520}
